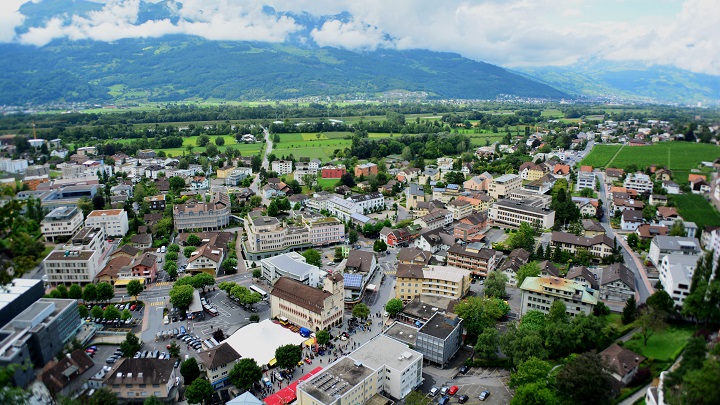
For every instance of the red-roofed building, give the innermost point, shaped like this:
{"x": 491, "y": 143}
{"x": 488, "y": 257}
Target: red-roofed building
{"x": 586, "y": 169}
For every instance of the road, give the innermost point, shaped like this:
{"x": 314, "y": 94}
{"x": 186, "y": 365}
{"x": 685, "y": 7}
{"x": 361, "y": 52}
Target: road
{"x": 265, "y": 165}
{"x": 642, "y": 284}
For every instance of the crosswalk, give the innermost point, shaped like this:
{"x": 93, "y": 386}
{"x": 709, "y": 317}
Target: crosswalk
{"x": 156, "y": 304}
{"x": 163, "y": 283}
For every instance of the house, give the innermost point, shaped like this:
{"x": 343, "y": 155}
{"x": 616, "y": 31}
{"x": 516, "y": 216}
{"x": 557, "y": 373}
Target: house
{"x": 663, "y": 175}
{"x": 548, "y": 269}
{"x": 631, "y": 220}
{"x": 591, "y": 228}
{"x": 587, "y": 206}
{"x": 622, "y": 363}
{"x": 217, "y": 362}
{"x": 512, "y": 264}
{"x": 671, "y": 187}
{"x": 586, "y": 169}
{"x": 471, "y": 225}
{"x": 585, "y": 180}
{"x": 617, "y": 283}
{"x": 613, "y": 175}
{"x": 672, "y": 245}
{"x": 648, "y": 231}
{"x": 531, "y": 171}
{"x": 394, "y": 237}
{"x": 156, "y": 202}
{"x": 434, "y": 241}
{"x": 478, "y": 183}
{"x": 145, "y": 267}
{"x": 199, "y": 183}
{"x": 408, "y": 174}
{"x": 366, "y": 169}
{"x": 668, "y": 213}
{"x": 428, "y": 176}
{"x": 414, "y": 280}
{"x": 658, "y": 199}
{"x": 445, "y": 163}
{"x": 541, "y": 185}
{"x": 414, "y": 256}
{"x": 639, "y": 182}
{"x": 474, "y": 257}
{"x": 561, "y": 170}
{"x": 414, "y": 194}
{"x": 583, "y": 276}
{"x": 130, "y": 379}
{"x": 676, "y": 273}
{"x": 57, "y": 375}
{"x": 207, "y": 259}
{"x": 438, "y": 218}
{"x": 141, "y": 240}
{"x": 622, "y": 204}
{"x": 539, "y": 293}
{"x": 699, "y": 186}
{"x": 600, "y": 246}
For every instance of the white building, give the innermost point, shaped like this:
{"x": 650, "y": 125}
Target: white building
{"x": 539, "y": 293}
{"x": 292, "y": 265}
{"x": 676, "y": 276}
{"x": 13, "y": 165}
{"x": 585, "y": 180}
{"x": 368, "y": 202}
{"x": 113, "y": 222}
{"x": 438, "y": 218}
{"x": 639, "y": 182}
{"x": 282, "y": 167}
{"x": 62, "y": 221}
{"x": 663, "y": 245}
{"x": 343, "y": 209}
{"x": 514, "y": 213}
{"x": 79, "y": 260}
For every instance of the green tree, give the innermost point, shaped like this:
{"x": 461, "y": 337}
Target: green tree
{"x": 322, "y": 337}
{"x": 677, "y": 229}
{"x": 193, "y": 240}
{"x": 394, "y": 306}
{"x": 273, "y": 209}
{"x": 190, "y": 370}
{"x": 125, "y": 315}
{"x": 177, "y": 184}
{"x": 353, "y": 236}
{"x": 488, "y": 344}
{"x": 230, "y": 266}
{"x": 130, "y": 345}
{"x": 523, "y": 238}
{"x": 85, "y": 205}
{"x": 103, "y": 396}
{"x": 633, "y": 240}
{"x": 480, "y": 313}
{"x": 89, "y": 293}
{"x": 200, "y": 391}
{"x": 153, "y": 401}
{"x": 700, "y": 386}
{"x": 495, "y": 285}
{"x": 111, "y": 312}
{"x": 84, "y": 311}
{"x": 174, "y": 350}
{"x": 245, "y": 373}
{"x": 257, "y": 273}
{"x": 135, "y": 287}
{"x": 558, "y": 313}
{"x": 188, "y": 251}
{"x": 105, "y": 292}
{"x": 520, "y": 344}
{"x": 202, "y": 140}
{"x": 202, "y": 280}
{"x": 534, "y": 394}
{"x": 288, "y": 356}
{"x": 629, "y": 311}
{"x": 96, "y": 312}
{"x": 661, "y": 301}
{"x": 379, "y": 246}
{"x": 171, "y": 256}
{"x": 312, "y": 257}
{"x": 531, "y": 269}
{"x": 338, "y": 256}
{"x": 531, "y": 371}
{"x": 361, "y": 311}
{"x": 62, "y": 290}
{"x": 584, "y": 380}
{"x": 75, "y": 292}
{"x": 650, "y": 321}
{"x": 181, "y": 295}
{"x": 220, "y": 141}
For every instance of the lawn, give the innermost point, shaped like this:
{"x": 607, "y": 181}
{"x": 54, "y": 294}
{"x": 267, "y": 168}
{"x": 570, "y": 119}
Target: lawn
{"x": 662, "y": 346}
{"x": 674, "y": 155}
{"x": 695, "y": 208}
{"x": 600, "y": 155}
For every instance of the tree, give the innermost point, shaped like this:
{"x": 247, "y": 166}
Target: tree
{"x": 174, "y": 248}
{"x": 629, "y": 311}
{"x": 96, "y": 312}
{"x": 245, "y": 373}
{"x": 361, "y": 311}
{"x": 220, "y": 141}
{"x": 394, "y": 306}
{"x": 700, "y": 386}
{"x": 650, "y": 321}
{"x": 62, "y": 290}
{"x": 633, "y": 240}
{"x": 230, "y": 266}
{"x": 135, "y": 287}
{"x": 495, "y": 285}
{"x": 177, "y": 184}
{"x": 523, "y": 238}
{"x": 181, "y": 295}
{"x": 170, "y": 256}
{"x": 661, "y": 301}
{"x": 202, "y": 280}
{"x": 84, "y": 311}
{"x": 347, "y": 180}
{"x": 338, "y": 256}
{"x": 200, "y": 391}
{"x": 174, "y": 350}
{"x": 379, "y": 246}
{"x": 677, "y": 229}
{"x": 188, "y": 251}
{"x": 488, "y": 343}
{"x": 520, "y": 344}
{"x": 534, "y": 394}
{"x": 480, "y": 313}
{"x": 98, "y": 202}
{"x": 125, "y": 315}
{"x": 353, "y": 236}
{"x": 103, "y": 396}
{"x": 288, "y": 356}
{"x": 273, "y": 209}
{"x": 531, "y": 269}
{"x": 584, "y": 380}
{"x": 130, "y": 345}
{"x": 189, "y": 370}
{"x": 193, "y": 240}
{"x": 105, "y": 292}
{"x": 111, "y": 312}
{"x": 203, "y": 140}
{"x": 531, "y": 371}
{"x": 75, "y": 292}
{"x": 257, "y": 273}
{"x": 312, "y": 257}
{"x": 322, "y": 337}
{"x": 89, "y": 293}
{"x": 153, "y": 401}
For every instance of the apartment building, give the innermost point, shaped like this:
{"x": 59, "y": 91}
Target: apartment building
{"x": 366, "y": 169}
{"x": 676, "y": 272}
{"x": 13, "y": 165}
{"x": 156, "y": 202}
{"x": 368, "y": 202}
{"x": 237, "y": 175}
{"x": 531, "y": 171}
{"x": 291, "y": 265}
{"x": 460, "y": 209}
{"x": 585, "y": 180}
{"x": 539, "y": 293}
{"x": 473, "y": 256}
{"x": 662, "y": 245}
{"x": 639, "y": 182}
{"x": 514, "y": 213}
{"x": 203, "y": 216}
{"x": 501, "y": 186}
{"x": 267, "y": 237}
{"x": 438, "y": 218}
{"x": 479, "y": 201}
{"x": 282, "y": 167}
{"x": 79, "y": 260}
{"x": 600, "y": 246}
{"x": 478, "y": 183}
{"x": 440, "y": 338}
{"x": 343, "y": 209}
{"x": 309, "y": 307}
{"x": 383, "y": 366}
{"x": 61, "y": 222}
{"x": 414, "y": 280}
{"x": 617, "y": 283}
{"x": 113, "y": 222}
{"x": 134, "y": 380}
{"x": 414, "y": 195}
{"x": 332, "y": 172}
{"x": 325, "y": 230}
{"x": 216, "y": 362}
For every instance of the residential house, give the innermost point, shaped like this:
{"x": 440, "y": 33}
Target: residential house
{"x": 282, "y": 167}
{"x": 613, "y": 175}
{"x": 438, "y": 218}
{"x": 512, "y": 264}
{"x": 434, "y": 241}
{"x": 395, "y": 237}
{"x": 631, "y": 220}
{"x": 408, "y": 175}
{"x": 113, "y": 222}
{"x": 622, "y": 363}
{"x": 217, "y": 362}
{"x": 699, "y": 186}
{"x": 58, "y": 375}
{"x": 479, "y": 201}
{"x": 531, "y": 171}
{"x": 671, "y": 187}
{"x": 414, "y": 256}
{"x": 658, "y": 199}
{"x": 639, "y": 182}
{"x": 156, "y": 202}
{"x": 414, "y": 195}
{"x": 676, "y": 272}
{"x": 600, "y": 246}
{"x": 582, "y": 275}
{"x": 478, "y": 183}
{"x": 207, "y": 259}
{"x": 617, "y": 283}
{"x": 548, "y": 269}
{"x": 591, "y": 228}
{"x": 141, "y": 240}
{"x": 587, "y": 206}
{"x": 539, "y": 293}
{"x": 130, "y": 379}
{"x": 429, "y": 176}
{"x": 466, "y": 228}
{"x": 649, "y": 231}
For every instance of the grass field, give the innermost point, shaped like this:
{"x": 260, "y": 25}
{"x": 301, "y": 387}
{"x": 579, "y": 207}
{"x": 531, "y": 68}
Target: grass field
{"x": 665, "y": 345}
{"x": 600, "y": 155}
{"x": 695, "y": 208}
{"x": 674, "y": 155}
{"x": 246, "y": 149}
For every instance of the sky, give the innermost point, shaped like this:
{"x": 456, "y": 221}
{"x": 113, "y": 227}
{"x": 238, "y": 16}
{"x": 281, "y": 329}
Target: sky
{"x": 511, "y": 33}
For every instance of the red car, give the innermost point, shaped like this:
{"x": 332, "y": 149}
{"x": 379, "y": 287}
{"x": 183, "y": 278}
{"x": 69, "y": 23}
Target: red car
{"x": 453, "y": 390}
{"x": 307, "y": 360}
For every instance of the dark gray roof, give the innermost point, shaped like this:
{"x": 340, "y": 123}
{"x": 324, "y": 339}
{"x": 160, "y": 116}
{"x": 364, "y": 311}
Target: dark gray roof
{"x": 618, "y": 271}
{"x": 582, "y": 271}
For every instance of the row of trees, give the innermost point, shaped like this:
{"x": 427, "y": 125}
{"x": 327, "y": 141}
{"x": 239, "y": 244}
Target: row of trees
{"x": 240, "y": 293}
{"x": 100, "y": 292}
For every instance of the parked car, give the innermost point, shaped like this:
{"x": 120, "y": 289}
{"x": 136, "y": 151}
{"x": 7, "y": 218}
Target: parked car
{"x": 444, "y": 390}
{"x": 434, "y": 391}
{"x": 464, "y": 369}
{"x": 267, "y": 382}
{"x": 111, "y": 360}
{"x": 444, "y": 400}
{"x": 463, "y": 398}
{"x": 484, "y": 395}
{"x": 453, "y": 390}
{"x": 177, "y": 363}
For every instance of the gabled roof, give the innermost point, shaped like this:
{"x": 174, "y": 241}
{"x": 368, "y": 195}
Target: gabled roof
{"x": 129, "y": 250}
{"x": 548, "y": 267}
{"x": 409, "y": 271}
{"x": 114, "y": 266}
{"x": 414, "y": 255}
{"x": 592, "y": 225}
{"x": 361, "y": 260}
{"x": 621, "y": 360}
{"x": 649, "y": 231}
{"x": 583, "y": 272}
{"x": 141, "y": 371}
{"x": 57, "y": 375}
{"x": 563, "y": 237}
{"x": 632, "y": 216}
{"x": 618, "y": 271}
{"x": 218, "y": 356}
{"x": 209, "y": 251}
{"x": 147, "y": 260}
{"x": 302, "y": 295}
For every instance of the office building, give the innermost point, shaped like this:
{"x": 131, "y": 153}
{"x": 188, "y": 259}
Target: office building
{"x": 113, "y": 222}
{"x": 267, "y": 237}
{"x": 17, "y": 296}
{"x": 203, "y": 216}
{"x": 672, "y": 245}
{"x": 292, "y": 265}
{"x": 473, "y": 256}
{"x": 514, "y": 213}
{"x": 61, "y": 222}
{"x": 501, "y": 186}
{"x": 440, "y": 338}
{"x": 414, "y": 280}
{"x": 539, "y": 293}
{"x": 79, "y": 260}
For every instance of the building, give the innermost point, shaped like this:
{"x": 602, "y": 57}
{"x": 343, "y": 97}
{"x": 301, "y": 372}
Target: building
{"x": 332, "y": 172}
{"x": 13, "y": 165}
{"x": 366, "y": 169}
{"x": 466, "y": 228}
{"x": 142, "y": 240}
{"x": 592, "y": 228}
{"x": 203, "y": 216}
{"x": 622, "y": 363}
{"x": 146, "y": 267}
{"x": 676, "y": 272}
{"x": 343, "y": 209}
{"x": 36, "y": 335}
{"x": 639, "y": 182}
{"x": 113, "y": 222}
{"x": 479, "y": 201}
{"x": 383, "y": 367}
{"x": 478, "y": 183}
{"x": 309, "y": 307}
{"x": 146, "y": 154}
{"x": 501, "y": 186}
{"x": 531, "y": 171}
{"x": 237, "y": 175}
{"x": 582, "y": 275}
{"x": 672, "y": 245}
{"x": 538, "y": 293}
{"x": 207, "y": 259}
{"x": 514, "y": 213}
{"x": 440, "y": 338}
{"x": 267, "y": 236}
{"x": 414, "y": 195}
{"x": 414, "y": 256}
{"x": 612, "y": 175}
{"x": 473, "y": 256}
{"x": 438, "y": 218}
{"x": 600, "y": 246}
{"x": 282, "y": 167}
{"x": 414, "y": 280}
{"x": 631, "y": 220}
{"x": 61, "y": 222}
{"x": 360, "y": 267}
{"x": 587, "y": 206}
{"x": 78, "y": 261}
{"x": 17, "y": 296}
{"x": 585, "y": 180}
{"x": 395, "y": 237}
{"x": 216, "y": 362}
{"x": 325, "y": 230}
{"x": 291, "y": 265}
{"x": 134, "y": 380}
{"x": 617, "y": 283}
{"x": 57, "y": 375}
{"x": 156, "y": 202}
{"x": 368, "y": 202}
{"x": 460, "y": 209}
{"x": 671, "y": 187}
{"x": 516, "y": 259}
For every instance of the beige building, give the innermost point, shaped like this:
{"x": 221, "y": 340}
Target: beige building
{"x": 473, "y": 257}
{"x": 62, "y": 221}
{"x": 203, "y": 216}
{"x": 414, "y": 280}
{"x": 460, "y": 209}
{"x": 309, "y": 307}
{"x": 514, "y": 213}
{"x": 325, "y": 230}
{"x": 113, "y": 222}
{"x": 600, "y": 246}
{"x": 135, "y": 380}
{"x": 79, "y": 260}
{"x": 501, "y": 186}
{"x": 267, "y": 236}
{"x": 539, "y": 293}
{"x": 217, "y": 362}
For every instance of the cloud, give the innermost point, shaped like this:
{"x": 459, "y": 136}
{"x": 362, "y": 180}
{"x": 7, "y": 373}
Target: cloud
{"x": 10, "y": 17}
{"x": 353, "y": 35}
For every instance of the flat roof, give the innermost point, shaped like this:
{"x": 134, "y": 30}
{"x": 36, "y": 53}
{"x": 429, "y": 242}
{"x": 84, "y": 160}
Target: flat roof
{"x": 290, "y": 263}
{"x": 402, "y": 332}
{"x": 336, "y": 380}
{"x": 259, "y": 340}
{"x": 18, "y": 287}
{"x": 384, "y": 350}
{"x": 440, "y": 325}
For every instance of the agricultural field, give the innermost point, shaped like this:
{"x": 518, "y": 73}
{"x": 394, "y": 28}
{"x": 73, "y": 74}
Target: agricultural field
{"x": 695, "y": 208}
{"x": 246, "y": 149}
{"x": 600, "y": 155}
{"x": 674, "y": 155}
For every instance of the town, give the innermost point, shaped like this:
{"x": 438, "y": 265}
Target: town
{"x": 517, "y": 257}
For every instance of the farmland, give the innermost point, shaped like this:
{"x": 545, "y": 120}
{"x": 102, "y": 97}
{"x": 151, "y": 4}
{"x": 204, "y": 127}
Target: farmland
{"x": 246, "y": 149}
{"x": 695, "y": 208}
{"x": 674, "y": 155}
{"x": 601, "y": 155}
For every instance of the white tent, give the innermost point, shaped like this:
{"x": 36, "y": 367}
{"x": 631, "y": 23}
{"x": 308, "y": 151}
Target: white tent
{"x": 259, "y": 340}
